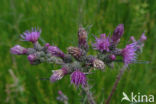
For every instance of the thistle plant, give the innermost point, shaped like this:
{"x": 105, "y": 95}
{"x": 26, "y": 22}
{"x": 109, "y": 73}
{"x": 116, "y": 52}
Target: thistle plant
{"x": 77, "y": 62}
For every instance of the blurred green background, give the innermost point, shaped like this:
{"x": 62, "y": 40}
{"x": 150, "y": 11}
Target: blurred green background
{"x": 59, "y": 20}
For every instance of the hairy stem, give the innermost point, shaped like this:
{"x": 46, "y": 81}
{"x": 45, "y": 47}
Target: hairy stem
{"x": 89, "y": 94}
{"x": 122, "y": 70}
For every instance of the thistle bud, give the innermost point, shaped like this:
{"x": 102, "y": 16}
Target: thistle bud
{"x": 118, "y": 32}
{"x": 75, "y": 52}
{"x": 18, "y": 50}
{"x": 112, "y": 57}
{"x": 98, "y": 64}
{"x": 55, "y": 51}
{"x": 47, "y": 45}
{"x": 58, "y": 74}
{"x": 32, "y": 57}
{"x": 82, "y": 36}
{"x": 143, "y": 37}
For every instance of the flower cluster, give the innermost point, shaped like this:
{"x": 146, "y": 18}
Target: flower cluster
{"x": 76, "y": 62}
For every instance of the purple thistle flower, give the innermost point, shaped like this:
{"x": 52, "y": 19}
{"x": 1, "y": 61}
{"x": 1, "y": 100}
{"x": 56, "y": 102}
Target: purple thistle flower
{"x": 55, "y": 51}
{"x": 102, "y": 43}
{"x": 31, "y": 36}
{"x": 18, "y": 50}
{"x": 32, "y": 57}
{"x": 118, "y": 32}
{"x": 58, "y": 74}
{"x": 143, "y": 37}
{"x": 129, "y": 54}
{"x": 78, "y": 78}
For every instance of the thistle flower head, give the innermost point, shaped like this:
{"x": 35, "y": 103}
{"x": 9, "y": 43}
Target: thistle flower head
{"x": 82, "y": 38}
{"x": 102, "y": 43}
{"x": 55, "y": 51}
{"x": 143, "y": 37}
{"x": 31, "y": 36}
{"x": 98, "y": 64}
{"x": 129, "y": 53}
{"x": 78, "y": 78}
{"x": 118, "y": 32}
{"x": 75, "y": 52}
{"x": 58, "y": 74}
{"x": 32, "y": 57}
{"x": 18, "y": 50}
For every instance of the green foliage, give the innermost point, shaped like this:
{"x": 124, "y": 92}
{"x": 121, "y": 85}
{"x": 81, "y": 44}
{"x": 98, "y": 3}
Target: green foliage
{"x": 59, "y": 21}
